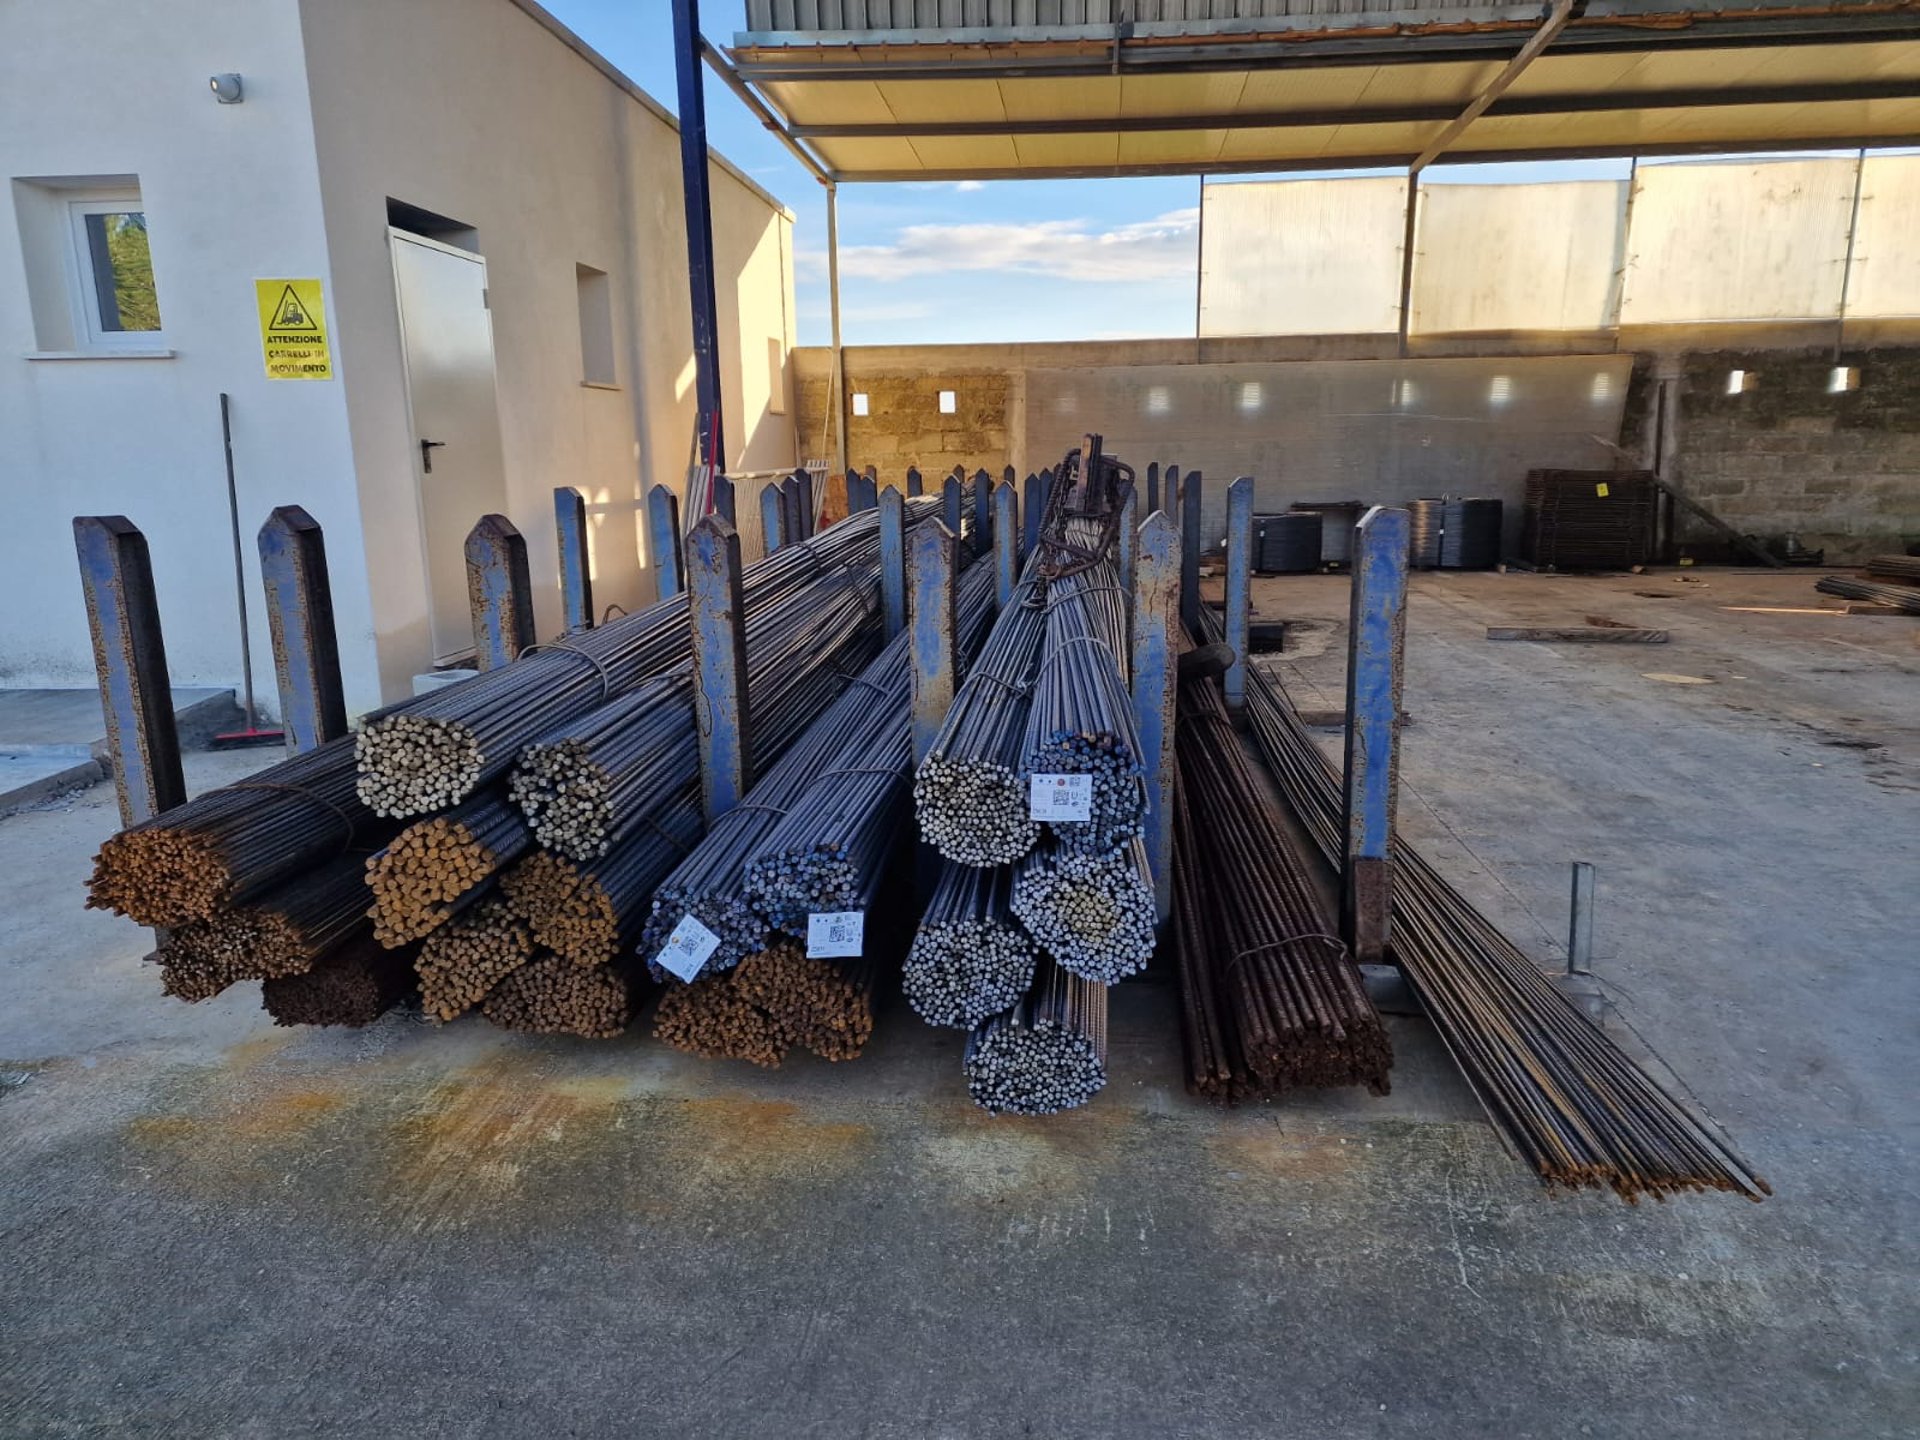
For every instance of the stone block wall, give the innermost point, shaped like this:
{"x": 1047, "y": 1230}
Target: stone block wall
{"x": 1787, "y": 456}
{"x": 903, "y": 425}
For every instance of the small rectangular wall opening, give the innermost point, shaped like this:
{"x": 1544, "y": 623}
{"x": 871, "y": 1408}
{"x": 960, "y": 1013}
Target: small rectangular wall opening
{"x": 595, "y": 293}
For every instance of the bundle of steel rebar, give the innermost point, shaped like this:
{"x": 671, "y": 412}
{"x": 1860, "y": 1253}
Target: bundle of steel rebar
{"x": 968, "y": 795}
{"x": 443, "y": 745}
{"x": 353, "y": 986}
{"x": 550, "y": 995}
{"x": 1092, "y": 913}
{"x": 589, "y": 911}
{"x": 579, "y": 784}
{"x": 970, "y": 959}
{"x": 710, "y": 884}
{"x": 710, "y": 1018}
{"x": 1564, "y": 1095}
{"x": 280, "y": 933}
{"x": 1271, "y": 1000}
{"x": 465, "y": 958}
{"x": 1895, "y": 567}
{"x": 1897, "y": 597}
{"x": 227, "y": 846}
{"x": 830, "y": 850}
{"x": 1048, "y": 1053}
{"x": 824, "y": 1006}
{"x": 437, "y": 867}
{"x": 1080, "y": 718}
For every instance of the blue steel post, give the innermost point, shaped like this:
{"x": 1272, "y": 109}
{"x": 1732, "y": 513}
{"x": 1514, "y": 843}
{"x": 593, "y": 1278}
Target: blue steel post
{"x": 803, "y": 501}
{"x": 1156, "y": 591}
{"x": 913, "y": 481}
{"x": 663, "y": 541}
{"x": 1153, "y": 487}
{"x": 1170, "y": 492}
{"x": 1239, "y": 590}
{"x": 1190, "y": 550}
{"x": 982, "y": 511}
{"x": 306, "y": 652}
{"x": 1006, "y": 542}
{"x": 576, "y": 578}
{"x": 773, "y": 518}
{"x": 953, "y": 504}
{"x": 499, "y": 591}
{"x": 130, "y": 659}
{"x": 932, "y": 561}
{"x": 723, "y": 499}
{"x": 1030, "y": 506}
{"x": 791, "y": 527}
{"x": 1127, "y": 544}
{"x": 690, "y": 77}
{"x": 719, "y": 665}
{"x": 893, "y": 560}
{"x": 1376, "y": 645}
{"x": 1046, "y": 498}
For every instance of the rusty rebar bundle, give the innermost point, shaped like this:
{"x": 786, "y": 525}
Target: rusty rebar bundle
{"x": 773, "y": 1002}
{"x": 353, "y": 986}
{"x": 281, "y": 933}
{"x": 461, "y": 962}
{"x": 550, "y": 995}
{"x": 1566, "y": 1098}
{"x": 437, "y": 867}
{"x": 1270, "y": 999}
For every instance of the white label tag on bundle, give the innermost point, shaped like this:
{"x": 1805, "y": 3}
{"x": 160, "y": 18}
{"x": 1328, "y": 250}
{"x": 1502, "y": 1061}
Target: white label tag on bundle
{"x": 835, "y": 934}
{"x": 1060, "y": 797}
{"x": 687, "y": 948}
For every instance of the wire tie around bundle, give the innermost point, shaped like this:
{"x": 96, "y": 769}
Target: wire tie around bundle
{"x": 339, "y": 814}
{"x": 1339, "y": 945}
{"x": 606, "y": 681}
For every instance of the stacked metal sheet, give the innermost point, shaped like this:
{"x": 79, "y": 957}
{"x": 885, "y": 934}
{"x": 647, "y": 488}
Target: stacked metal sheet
{"x": 1337, "y": 519}
{"x": 1289, "y": 544}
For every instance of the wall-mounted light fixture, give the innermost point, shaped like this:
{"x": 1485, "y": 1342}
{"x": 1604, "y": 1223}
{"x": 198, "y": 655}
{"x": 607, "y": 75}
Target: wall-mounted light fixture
{"x": 227, "y": 88}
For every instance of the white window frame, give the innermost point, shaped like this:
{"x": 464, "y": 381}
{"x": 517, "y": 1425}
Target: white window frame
{"x": 87, "y": 333}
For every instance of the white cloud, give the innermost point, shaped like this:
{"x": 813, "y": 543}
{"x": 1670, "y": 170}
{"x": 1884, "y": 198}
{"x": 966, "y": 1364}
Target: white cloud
{"x": 1156, "y": 249}
{"x": 967, "y": 187}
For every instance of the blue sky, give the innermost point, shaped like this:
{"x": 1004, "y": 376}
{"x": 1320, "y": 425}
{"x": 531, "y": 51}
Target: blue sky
{"x": 1003, "y": 261}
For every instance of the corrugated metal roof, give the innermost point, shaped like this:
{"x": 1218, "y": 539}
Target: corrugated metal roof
{"x": 954, "y": 89}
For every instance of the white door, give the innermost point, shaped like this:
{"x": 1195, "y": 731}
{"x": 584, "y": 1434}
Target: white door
{"x": 447, "y": 336}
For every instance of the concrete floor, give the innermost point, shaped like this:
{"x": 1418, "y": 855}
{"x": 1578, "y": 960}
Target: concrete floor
{"x": 54, "y": 741}
{"x": 214, "y": 1228}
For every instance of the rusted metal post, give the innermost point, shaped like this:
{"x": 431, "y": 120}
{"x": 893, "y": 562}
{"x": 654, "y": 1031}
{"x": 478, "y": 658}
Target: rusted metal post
{"x": 724, "y": 499}
{"x": 1190, "y": 549}
{"x": 773, "y": 518}
{"x": 576, "y": 577}
{"x": 953, "y": 502}
{"x": 1127, "y": 544}
{"x": 792, "y": 528}
{"x": 1006, "y": 543}
{"x": 719, "y": 665}
{"x": 1239, "y": 591}
{"x": 932, "y": 562}
{"x": 306, "y": 652}
{"x": 913, "y": 481}
{"x": 1156, "y": 590}
{"x": 663, "y": 539}
{"x": 1376, "y": 641}
{"x": 803, "y": 482}
{"x": 130, "y": 659}
{"x": 499, "y": 591}
{"x": 893, "y": 561}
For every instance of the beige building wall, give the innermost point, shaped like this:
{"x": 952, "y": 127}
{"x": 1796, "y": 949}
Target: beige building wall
{"x": 489, "y": 114}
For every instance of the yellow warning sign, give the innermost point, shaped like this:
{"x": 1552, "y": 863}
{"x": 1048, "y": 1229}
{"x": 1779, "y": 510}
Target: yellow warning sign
{"x": 293, "y": 329}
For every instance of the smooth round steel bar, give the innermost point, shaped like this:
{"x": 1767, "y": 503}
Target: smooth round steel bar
{"x": 1046, "y": 1054}
{"x": 1093, "y": 914}
{"x": 970, "y": 958}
